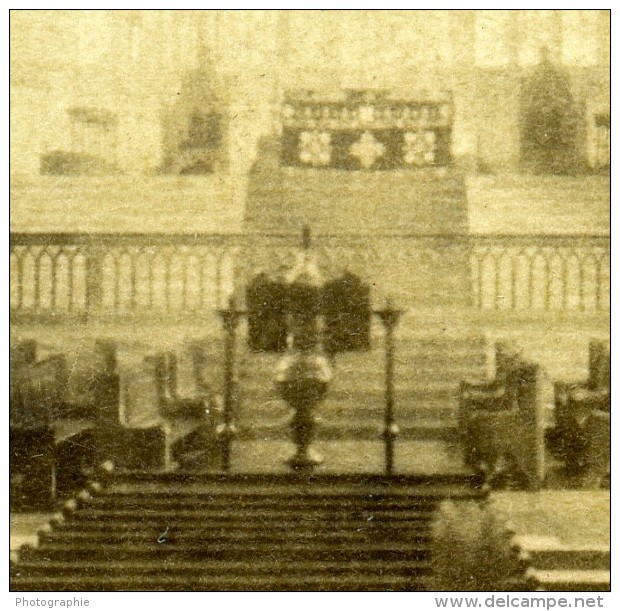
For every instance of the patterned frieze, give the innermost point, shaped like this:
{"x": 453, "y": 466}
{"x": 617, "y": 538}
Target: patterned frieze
{"x": 366, "y": 131}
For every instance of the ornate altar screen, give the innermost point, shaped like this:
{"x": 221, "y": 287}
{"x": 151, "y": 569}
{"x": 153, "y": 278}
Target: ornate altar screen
{"x": 366, "y": 130}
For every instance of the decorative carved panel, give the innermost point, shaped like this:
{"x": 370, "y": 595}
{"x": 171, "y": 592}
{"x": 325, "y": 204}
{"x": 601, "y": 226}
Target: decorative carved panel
{"x": 366, "y": 131}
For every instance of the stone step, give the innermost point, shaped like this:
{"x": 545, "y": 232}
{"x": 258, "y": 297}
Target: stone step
{"x": 272, "y": 516}
{"x": 356, "y": 415}
{"x": 171, "y": 537}
{"x": 416, "y": 487}
{"x": 303, "y": 503}
{"x": 183, "y": 522}
{"x": 352, "y": 414}
{"x": 571, "y": 558}
{"x": 188, "y": 531}
{"x": 188, "y": 568}
{"x": 427, "y": 429}
{"x": 367, "y": 386}
{"x": 571, "y": 580}
{"x": 238, "y": 550}
{"x": 436, "y": 360}
{"x": 370, "y": 582}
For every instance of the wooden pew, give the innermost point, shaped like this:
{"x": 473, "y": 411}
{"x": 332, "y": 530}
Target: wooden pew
{"x": 92, "y": 390}
{"x": 177, "y": 402}
{"x": 38, "y": 392}
{"x": 22, "y": 353}
{"x": 504, "y": 433}
{"x": 141, "y": 449}
{"x": 31, "y": 465}
{"x": 50, "y": 389}
{"x": 597, "y": 431}
{"x": 61, "y": 448}
{"x": 487, "y": 395}
{"x": 188, "y": 410}
{"x": 186, "y": 424}
{"x": 582, "y": 417}
{"x": 55, "y": 407}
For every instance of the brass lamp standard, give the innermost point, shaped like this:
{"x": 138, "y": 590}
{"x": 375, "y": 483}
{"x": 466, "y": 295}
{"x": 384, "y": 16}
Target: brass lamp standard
{"x": 303, "y": 373}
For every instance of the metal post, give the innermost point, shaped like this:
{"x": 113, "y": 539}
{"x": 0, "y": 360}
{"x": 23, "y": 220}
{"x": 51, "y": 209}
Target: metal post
{"x": 389, "y": 316}
{"x": 227, "y": 430}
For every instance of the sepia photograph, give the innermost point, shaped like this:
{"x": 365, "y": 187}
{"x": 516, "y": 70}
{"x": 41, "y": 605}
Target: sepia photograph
{"x": 310, "y": 300}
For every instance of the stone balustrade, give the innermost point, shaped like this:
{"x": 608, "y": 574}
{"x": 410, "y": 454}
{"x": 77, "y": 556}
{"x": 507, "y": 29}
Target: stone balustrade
{"x": 188, "y": 276}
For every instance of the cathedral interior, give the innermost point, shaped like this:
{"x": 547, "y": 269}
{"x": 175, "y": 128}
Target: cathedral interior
{"x": 310, "y": 300}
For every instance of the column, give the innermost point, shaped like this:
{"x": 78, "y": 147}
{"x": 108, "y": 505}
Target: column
{"x": 513, "y": 37}
{"x": 603, "y": 31}
{"x": 464, "y": 135}
{"x": 463, "y": 34}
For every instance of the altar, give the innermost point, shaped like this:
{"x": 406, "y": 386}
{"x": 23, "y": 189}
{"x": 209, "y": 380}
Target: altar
{"x": 371, "y": 173}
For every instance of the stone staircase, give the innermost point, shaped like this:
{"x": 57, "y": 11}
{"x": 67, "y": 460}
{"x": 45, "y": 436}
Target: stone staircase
{"x": 168, "y": 532}
{"x": 428, "y": 371}
{"x": 426, "y": 201}
{"x": 558, "y": 567}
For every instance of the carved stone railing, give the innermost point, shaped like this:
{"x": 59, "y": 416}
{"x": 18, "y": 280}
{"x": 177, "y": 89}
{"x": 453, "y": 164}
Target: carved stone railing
{"x": 541, "y": 272}
{"x": 92, "y": 275}
{"x": 185, "y": 276}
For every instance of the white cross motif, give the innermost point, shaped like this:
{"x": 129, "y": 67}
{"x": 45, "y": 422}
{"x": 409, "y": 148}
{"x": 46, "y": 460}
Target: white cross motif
{"x": 419, "y": 148}
{"x": 367, "y": 114}
{"x": 367, "y": 150}
{"x": 315, "y": 148}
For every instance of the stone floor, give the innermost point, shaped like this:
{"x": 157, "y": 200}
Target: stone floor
{"x": 573, "y": 517}
{"x": 350, "y": 456}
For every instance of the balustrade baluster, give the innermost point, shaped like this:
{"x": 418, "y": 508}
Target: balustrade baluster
{"x": 514, "y": 261}
{"x": 70, "y": 268}
{"x": 117, "y": 284}
{"x": 37, "y": 281}
{"x": 481, "y": 281}
{"x": 548, "y": 276}
{"x": 132, "y": 278}
{"x": 20, "y": 281}
{"x": 167, "y": 283}
{"x": 497, "y": 265}
{"x": 94, "y": 279}
{"x": 184, "y": 283}
{"x": 218, "y": 278}
{"x": 54, "y": 274}
{"x": 150, "y": 260}
{"x": 530, "y": 280}
{"x": 564, "y": 283}
{"x": 201, "y": 282}
{"x": 582, "y": 280}
{"x": 597, "y": 282}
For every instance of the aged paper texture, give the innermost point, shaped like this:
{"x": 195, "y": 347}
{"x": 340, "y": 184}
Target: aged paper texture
{"x": 310, "y": 300}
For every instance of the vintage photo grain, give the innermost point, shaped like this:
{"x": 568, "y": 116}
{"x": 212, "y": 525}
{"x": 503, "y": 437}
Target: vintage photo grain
{"x": 310, "y": 300}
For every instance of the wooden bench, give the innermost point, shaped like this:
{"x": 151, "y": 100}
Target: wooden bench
{"x": 92, "y": 389}
{"x": 188, "y": 423}
{"x": 50, "y": 389}
{"x": 582, "y": 418}
{"x": 503, "y": 422}
{"x": 31, "y": 477}
{"x": 486, "y": 395}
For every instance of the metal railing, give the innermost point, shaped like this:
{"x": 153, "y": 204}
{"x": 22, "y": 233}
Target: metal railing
{"x": 183, "y": 275}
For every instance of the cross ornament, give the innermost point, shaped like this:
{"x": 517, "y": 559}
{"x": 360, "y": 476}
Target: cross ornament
{"x": 367, "y": 150}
